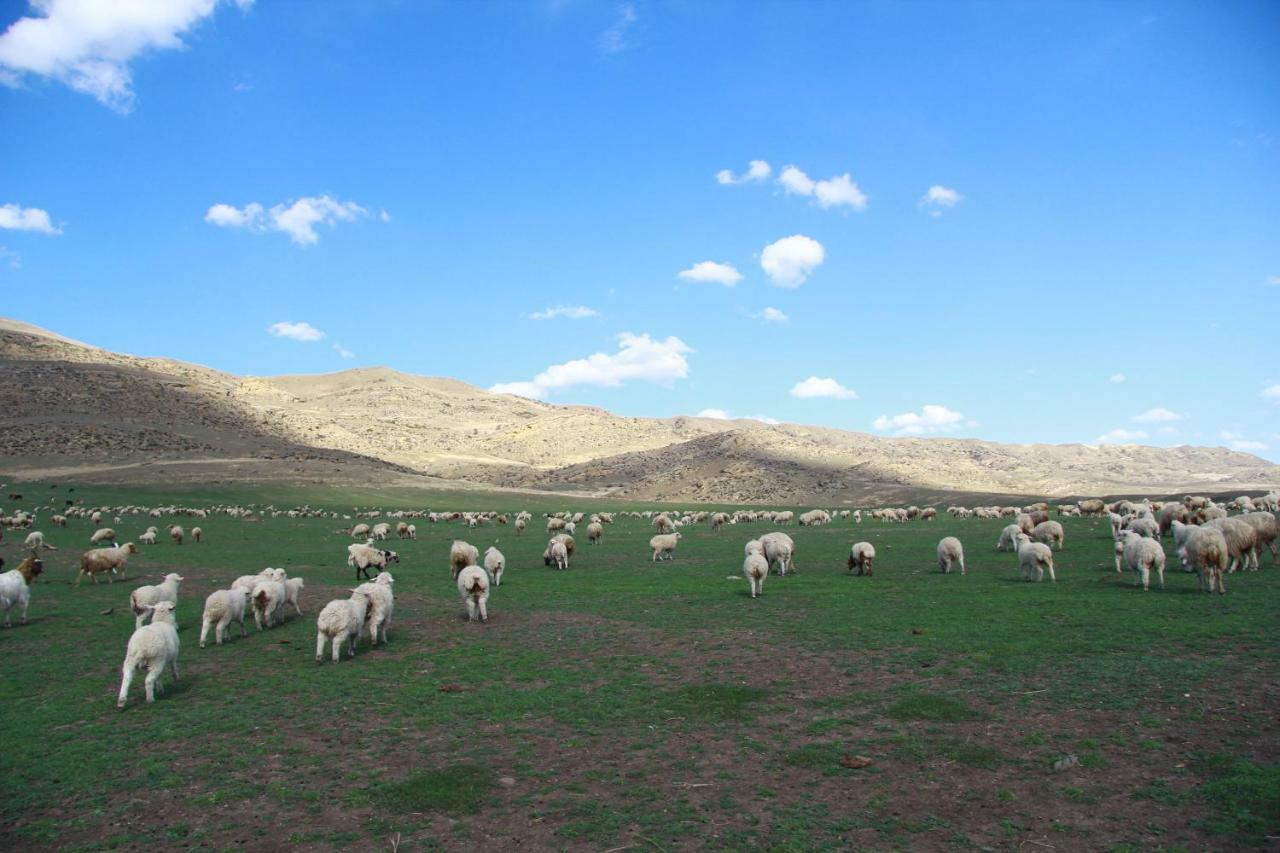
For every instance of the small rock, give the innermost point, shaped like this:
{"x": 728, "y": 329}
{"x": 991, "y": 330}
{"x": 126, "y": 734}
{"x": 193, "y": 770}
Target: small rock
{"x": 106, "y": 612}
{"x": 855, "y": 762}
{"x": 1066, "y": 762}
{"x": 451, "y": 688}
{"x": 507, "y": 782}
{"x": 917, "y": 631}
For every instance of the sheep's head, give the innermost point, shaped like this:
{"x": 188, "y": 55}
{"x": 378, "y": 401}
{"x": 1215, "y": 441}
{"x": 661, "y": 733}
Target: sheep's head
{"x": 162, "y": 611}
{"x": 384, "y": 578}
{"x": 392, "y": 556}
{"x": 130, "y": 548}
{"x": 175, "y": 578}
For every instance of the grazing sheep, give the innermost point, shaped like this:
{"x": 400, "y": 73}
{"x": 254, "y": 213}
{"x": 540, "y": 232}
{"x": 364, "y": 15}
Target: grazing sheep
{"x": 382, "y": 604}
{"x": 269, "y": 595}
{"x": 473, "y": 586}
{"x": 148, "y": 538}
{"x": 755, "y": 568}
{"x": 362, "y": 556}
{"x": 1143, "y": 525}
{"x": 402, "y": 530}
{"x": 1117, "y": 524}
{"x": 559, "y": 554}
{"x": 562, "y": 538}
{"x": 341, "y": 619}
{"x": 143, "y": 598}
{"x": 1119, "y": 552}
{"x": 154, "y": 647}
{"x": 15, "y": 587}
{"x": 461, "y": 555}
{"x": 754, "y": 547}
{"x": 664, "y": 546}
{"x": 1034, "y": 557}
{"x": 176, "y": 533}
{"x": 360, "y": 531}
{"x": 595, "y": 532}
{"x": 861, "y": 556}
{"x": 35, "y": 539}
{"x": 1266, "y": 532}
{"x": 104, "y": 560}
{"x": 950, "y": 553}
{"x": 1242, "y": 541}
{"x": 1141, "y": 555}
{"x": 379, "y": 532}
{"x": 222, "y": 608}
{"x": 1005, "y": 542}
{"x": 1207, "y": 554}
{"x": 292, "y": 592}
{"x": 494, "y": 563}
{"x": 520, "y": 526}
{"x": 104, "y": 534}
{"x": 1024, "y": 522}
{"x": 1093, "y": 506}
{"x": 780, "y": 551}
{"x": 554, "y": 524}
{"x": 1050, "y": 533}
{"x": 197, "y": 534}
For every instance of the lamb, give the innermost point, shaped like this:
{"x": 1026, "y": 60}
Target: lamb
{"x": 15, "y": 587}
{"x": 1207, "y": 554}
{"x": 1117, "y": 524}
{"x": 861, "y": 556}
{"x": 248, "y": 582}
{"x": 35, "y": 539}
{"x": 461, "y": 555}
{"x": 176, "y": 533}
{"x": 341, "y": 619}
{"x": 950, "y": 553}
{"x": 379, "y": 531}
{"x": 222, "y": 608}
{"x": 520, "y": 526}
{"x": 197, "y": 534}
{"x": 559, "y": 554}
{"x": 148, "y": 538}
{"x": 382, "y": 604}
{"x": 1242, "y": 541}
{"x": 473, "y": 586}
{"x": 1141, "y": 555}
{"x": 754, "y": 547}
{"x": 1050, "y": 533}
{"x": 664, "y": 546}
{"x": 154, "y": 647}
{"x": 142, "y": 599}
{"x": 362, "y": 556}
{"x": 563, "y": 538}
{"x": 1034, "y": 557}
{"x": 105, "y": 559}
{"x": 269, "y": 595}
{"x": 292, "y": 591}
{"x": 1005, "y": 543}
{"x": 595, "y": 532}
{"x": 495, "y": 563}
{"x": 779, "y": 551}
{"x": 104, "y": 534}
{"x": 402, "y": 530}
{"x": 755, "y": 568}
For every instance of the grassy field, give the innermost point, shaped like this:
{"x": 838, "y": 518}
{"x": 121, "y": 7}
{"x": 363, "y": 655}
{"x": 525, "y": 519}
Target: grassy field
{"x": 626, "y": 705}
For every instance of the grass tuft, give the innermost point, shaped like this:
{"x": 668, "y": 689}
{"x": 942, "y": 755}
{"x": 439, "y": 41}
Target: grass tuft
{"x": 459, "y": 789}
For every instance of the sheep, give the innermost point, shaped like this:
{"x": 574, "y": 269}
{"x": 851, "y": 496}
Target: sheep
{"x": 950, "y": 553}
{"x": 1170, "y": 513}
{"x": 381, "y": 605}
{"x": 1093, "y": 506}
{"x": 718, "y": 520}
{"x": 1005, "y": 542}
{"x": 595, "y": 532}
{"x": 1144, "y": 525}
{"x": 461, "y": 555}
{"x": 755, "y": 568}
{"x": 360, "y": 531}
{"x": 1141, "y": 555}
{"x": 221, "y": 608}
{"x": 341, "y": 619}
{"x": 473, "y": 586}
{"x": 1034, "y": 557}
{"x": 142, "y": 598}
{"x": 412, "y": 532}
{"x": 1024, "y": 522}
{"x": 379, "y": 532}
{"x": 1242, "y": 541}
{"x": 35, "y": 539}
{"x": 520, "y": 526}
{"x": 861, "y": 556}
{"x": 15, "y": 587}
{"x": 269, "y": 595}
{"x": 402, "y": 530}
{"x": 153, "y": 646}
{"x": 176, "y": 533}
{"x": 197, "y": 534}
{"x": 1117, "y": 523}
{"x": 1207, "y": 554}
{"x": 779, "y": 551}
{"x": 248, "y": 582}
{"x": 104, "y": 534}
{"x": 362, "y": 556}
{"x": 494, "y": 563}
{"x": 148, "y": 538}
{"x": 1266, "y": 531}
{"x": 664, "y": 546}
{"x": 558, "y": 554}
{"x": 563, "y": 538}
{"x": 555, "y": 524}
{"x": 292, "y": 592}
{"x": 1119, "y": 551}
{"x": 1050, "y": 533}
{"x": 754, "y": 547}
{"x": 105, "y": 559}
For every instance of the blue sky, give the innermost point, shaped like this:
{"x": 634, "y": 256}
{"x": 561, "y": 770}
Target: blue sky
{"x": 1050, "y": 222}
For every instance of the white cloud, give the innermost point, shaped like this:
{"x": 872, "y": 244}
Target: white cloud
{"x": 722, "y": 415}
{"x": 639, "y": 357}
{"x": 1247, "y": 445}
{"x": 939, "y": 198}
{"x": 343, "y": 351}
{"x": 569, "y": 312}
{"x": 1157, "y": 415}
{"x": 614, "y": 39}
{"x": 1120, "y": 435}
{"x": 14, "y": 217}
{"x": 757, "y": 170}
{"x": 712, "y": 272}
{"x": 1271, "y": 392}
{"x": 715, "y": 414}
{"x": 816, "y": 386}
{"x": 930, "y": 419}
{"x": 1118, "y": 378}
{"x": 88, "y": 44}
{"x": 12, "y": 258}
{"x": 1273, "y": 279}
{"x": 833, "y": 192}
{"x": 295, "y": 331}
{"x": 773, "y": 315}
{"x": 791, "y": 260}
{"x": 298, "y": 218}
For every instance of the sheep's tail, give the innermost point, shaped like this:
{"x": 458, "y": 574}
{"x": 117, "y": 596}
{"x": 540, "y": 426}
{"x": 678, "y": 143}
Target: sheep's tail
{"x": 261, "y": 600}
{"x": 133, "y": 605}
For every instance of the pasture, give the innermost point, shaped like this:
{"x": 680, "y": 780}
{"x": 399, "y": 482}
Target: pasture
{"x": 628, "y": 705}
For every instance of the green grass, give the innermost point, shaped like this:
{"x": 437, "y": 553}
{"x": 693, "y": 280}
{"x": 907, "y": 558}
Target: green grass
{"x": 632, "y": 704}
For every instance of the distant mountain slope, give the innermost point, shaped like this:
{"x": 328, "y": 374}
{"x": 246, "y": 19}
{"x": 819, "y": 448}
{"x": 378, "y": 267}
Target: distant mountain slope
{"x": 69, "y": 409}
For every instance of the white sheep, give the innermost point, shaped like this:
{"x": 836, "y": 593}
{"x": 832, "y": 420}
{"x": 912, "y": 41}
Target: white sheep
{"x": 1050, "y": 533}
{"x": 292, "y": 592}
{"x": 148, "y": 538}
{"x": 1034, "y": 557}
{"x": 559, "y": 554}
{"x": 197, "y": 534}
{"x": 248, "y": 582}
{"x": 382, "y": 604}
{"x": 861, "y": 556}
{"x": 1141, "y": 555}
{"x": 269, "y": 595}
{"x": 361, "y": 556}
{"x": 1207, "y": 554}
{"x": 103, "y": 560}
{"x": 143, "y": 598}
{"x": 341, "y": 619}
{"x": 154, "y": 647}
{"x": 595, "y": 532}
{"x": 1242, "y": 541}
{"x": 105, "y": 534}
{"x": 520, "y": 526}
{"x": 950, "y": 553}
{"x": 176, "y": 533}
{"x": 1143, "y": 525}
{"x": 755, "y": 568}
{"x": 473, "y": 586}
{"x": 494, "y": 563}
{"x": 664, "y": 546}
{"x": 35, "y": 539}
{"x": 15, "y": 587}
{"x": 1005, "y": 542}
{"x": 779, "y": 550}
{"x": 461, "y": 555}
{"x": 221, "y": 608}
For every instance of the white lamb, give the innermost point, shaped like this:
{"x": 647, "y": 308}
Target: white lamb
{"x": 1141, "y": 555}
{"x": 341, "y": 619}
{"x": 664, "y": 546}
{"x": 269, "y": 595}
{"x": 1005, "y": 543}
{"x": 382, "y": 604}
{"x": 950, "y": 553}
{"x": 559, "y": 554}
{"x": 1034, "y": 557}
{"x": 154, "y": 647}
{"x": 143, "y": 598}
{"x": 473, "y": 586}
{"x": 494, "y": 564}
{"x": 222, "y": 608}
{"x": 780, "y": 551}
{"x": 861, "y": 556}
{"x": 292, "y": 591}
{"x": 755, "y": 568}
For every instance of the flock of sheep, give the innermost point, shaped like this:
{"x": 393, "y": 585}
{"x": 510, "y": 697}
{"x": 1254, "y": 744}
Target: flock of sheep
{"x": 1207, "y": 540}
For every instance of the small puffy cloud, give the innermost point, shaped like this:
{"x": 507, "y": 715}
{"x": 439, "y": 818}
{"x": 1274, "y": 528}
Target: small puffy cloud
{"x": 1273, "y": 280}
{"x": 712, "y": 272}
{"x": 1157, "y": 415}
{"x": 1271, "y": 392}
{"x": 14, "y": 217}
{"x": 1120, "y": 435}
{"x": 569, "y": 312}
{"x": 715, "y": 414}
{"x": 295, "y": 331}
{"x": 757, "y": 170}
{"x": 1118, "y": 378}
{"x": 818, "y": 386}
{"x": 722, "y": 415}
{"x": 10, "y": 257}
{"x": 639, "y": 357}
{"x": 931, "y": 419}
{"x": 343, "y": 351}
{"x": 614, "y": 39}
{"x": 940, "y": 198}
{"x": 833, "y": 192}
{"x": 297, "y": 218}
{"x": 1236, "y": 441}
{"x": 791, "y": 260}
{"x": 773, "y": 315}
{"x": 89, "y": 44}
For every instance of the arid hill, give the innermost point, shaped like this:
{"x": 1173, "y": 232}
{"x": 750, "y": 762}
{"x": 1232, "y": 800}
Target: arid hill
{"x": 69, "y": 410}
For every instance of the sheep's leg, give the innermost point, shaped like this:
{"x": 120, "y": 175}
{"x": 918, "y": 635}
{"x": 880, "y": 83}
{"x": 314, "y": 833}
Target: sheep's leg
{"x": 484, "y": 612}
{"x": 174, "y": 665}
{"x": 204, "y": 632}
{"x": 1222, "y": 583}
{"x": 137, "y": 620}
{"x": 337, "y": 648}
{"x": 152, "y": 675}
{"x": 125, "y": 680}
{"x": 243, "y": 632}
{"x": 1052, "y": 576}
{"x": 1160, "y": 572}
{"x": 320, "y": 638}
